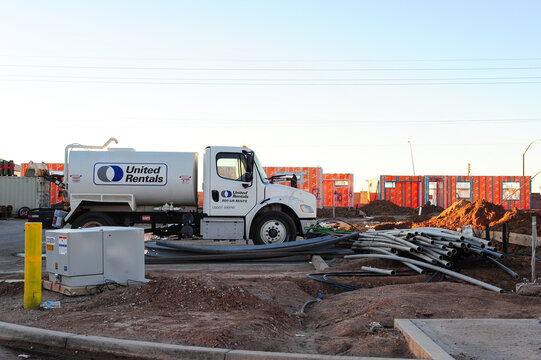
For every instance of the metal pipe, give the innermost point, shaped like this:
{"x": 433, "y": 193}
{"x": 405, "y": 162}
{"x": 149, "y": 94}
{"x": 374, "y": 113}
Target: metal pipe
{"x": 513, "y": 274}
{"x": 378, "y": 270}
{"x": 479, "y": 240}
{"x": 424, "y": 238}
{"x": 475, "y": 243}
{"x": 402, "y": 241}
{"x": 446, "y": 243}
{"x": 393, "y": 246}
{"x": 493, "y": 253}
{"x": 79, "y": 146}
{"x": 410, "y": 265}
{"x": 430, "y": 253}
{"x": 429, "y": 266}
{"x": 443, "y": 252}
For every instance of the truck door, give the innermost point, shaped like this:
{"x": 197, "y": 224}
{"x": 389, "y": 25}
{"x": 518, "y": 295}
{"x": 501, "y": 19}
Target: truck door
{"x": 232, "y": 192}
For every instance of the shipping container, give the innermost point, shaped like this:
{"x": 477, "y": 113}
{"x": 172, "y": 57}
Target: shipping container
{"x": 24, "y": 192}
{"x": 337, "y": 190}
{"x": 54, "y": 168}
{"x": 444, "y": 190}
{"x": 309, "y": 179}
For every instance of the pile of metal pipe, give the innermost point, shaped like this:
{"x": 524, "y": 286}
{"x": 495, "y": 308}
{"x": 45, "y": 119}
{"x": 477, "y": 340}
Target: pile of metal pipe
{"x": 435, "y": 246}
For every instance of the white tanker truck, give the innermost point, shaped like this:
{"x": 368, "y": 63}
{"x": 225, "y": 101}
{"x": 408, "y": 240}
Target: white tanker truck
{"x": 124, "y": 187}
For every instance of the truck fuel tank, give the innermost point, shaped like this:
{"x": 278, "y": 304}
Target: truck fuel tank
{"x": 153, "y": 178}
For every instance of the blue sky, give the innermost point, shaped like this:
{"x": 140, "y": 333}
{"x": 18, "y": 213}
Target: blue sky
{"x": 340, "y": 84}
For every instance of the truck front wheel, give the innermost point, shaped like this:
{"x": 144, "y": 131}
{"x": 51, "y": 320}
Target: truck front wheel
{"x": 273, "y": 227}
{"x": 90, "y": 219}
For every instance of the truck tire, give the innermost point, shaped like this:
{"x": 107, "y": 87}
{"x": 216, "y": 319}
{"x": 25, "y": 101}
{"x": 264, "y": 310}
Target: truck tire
{"x": 91, "y": 219}
{"x": 273, "y": 227}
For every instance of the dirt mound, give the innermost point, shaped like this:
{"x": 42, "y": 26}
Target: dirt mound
{"x": 182, "y": 293}
{"x": 391, "y": 226}
{"x": 10, "y": 289}
{"x": 384, "y": 207}
{"x": 478, "y": 214}
{"x": 518, "y": 221}
{"x": 428, "y": 208}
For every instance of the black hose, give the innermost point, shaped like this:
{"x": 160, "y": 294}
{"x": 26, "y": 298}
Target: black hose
{"x": 432, "y": 277}
{"x": 318, "y": 299}
{"x": 348, "y": 287}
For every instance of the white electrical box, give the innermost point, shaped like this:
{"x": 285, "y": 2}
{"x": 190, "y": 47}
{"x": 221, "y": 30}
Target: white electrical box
{"x": 95, "y": 256}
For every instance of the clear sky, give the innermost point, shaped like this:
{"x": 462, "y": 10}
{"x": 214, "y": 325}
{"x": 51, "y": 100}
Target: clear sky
{"x": 340, "y": 84}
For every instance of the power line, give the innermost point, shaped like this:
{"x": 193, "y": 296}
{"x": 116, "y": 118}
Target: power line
{"x": 268, "y": 69}
{"x": 8, "y": 76}
{"x": 276, "y": 84}
{"x": 196, "y": 122}
{"x": 271, "y": 60}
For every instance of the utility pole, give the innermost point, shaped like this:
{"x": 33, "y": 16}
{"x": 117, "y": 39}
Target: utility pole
{"x": 524, "y": 155}
{"x": 412, "y": 163}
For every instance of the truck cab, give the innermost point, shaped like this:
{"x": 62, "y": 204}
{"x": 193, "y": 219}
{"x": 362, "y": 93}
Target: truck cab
{"x": 238, "y": 200}
{"x": 236, "y": 186}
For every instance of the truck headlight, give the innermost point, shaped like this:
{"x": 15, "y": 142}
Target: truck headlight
{"x": 306, "y": 208}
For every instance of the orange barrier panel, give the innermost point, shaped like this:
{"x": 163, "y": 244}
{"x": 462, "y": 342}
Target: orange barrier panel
{"x": 444, "y": 190}
{"x": 337, "y": 190}
{"x": 309, "y": 179}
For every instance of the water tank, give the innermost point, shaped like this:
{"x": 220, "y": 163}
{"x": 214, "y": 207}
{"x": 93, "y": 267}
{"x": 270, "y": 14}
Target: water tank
{"x": 153, "y": 178}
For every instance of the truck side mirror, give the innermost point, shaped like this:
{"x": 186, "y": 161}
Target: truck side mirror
{"x": 249, "y": 160}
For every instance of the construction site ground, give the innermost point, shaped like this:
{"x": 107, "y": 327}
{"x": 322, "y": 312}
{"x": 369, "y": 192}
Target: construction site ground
{"x": 255, "y": 306}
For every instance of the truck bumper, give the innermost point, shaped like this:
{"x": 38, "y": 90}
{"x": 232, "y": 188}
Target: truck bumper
{"x": 305, "y": 223}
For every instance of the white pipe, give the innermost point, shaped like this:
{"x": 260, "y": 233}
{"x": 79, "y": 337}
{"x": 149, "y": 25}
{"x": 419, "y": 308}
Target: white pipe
{"x": 429, "y": 266}
{"x": 377, "y": 270}
{"x": 79, "y": 146}
{"x": 387, "y": 252}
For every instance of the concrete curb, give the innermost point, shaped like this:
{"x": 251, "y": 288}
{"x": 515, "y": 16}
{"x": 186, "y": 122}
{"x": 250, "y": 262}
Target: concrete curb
{"x": 143, "y": 349}
{"x": 419, "y": 343}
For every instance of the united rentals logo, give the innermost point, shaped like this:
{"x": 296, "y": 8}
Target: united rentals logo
{"x": 106, "y": 175}
{"x": 226, "y": 194}
{"x": 132, "y": 174}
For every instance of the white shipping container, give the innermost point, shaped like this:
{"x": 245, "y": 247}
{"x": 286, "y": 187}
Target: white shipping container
{"x": 19, "y": 192}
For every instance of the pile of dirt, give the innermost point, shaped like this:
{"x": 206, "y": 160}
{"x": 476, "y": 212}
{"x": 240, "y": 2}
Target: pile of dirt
{"x": 11, "y": 289}
{"x": 385, "y": 207}
{"x": 518, "y": 221}
{"x": 478, "y": 214}
{"x": 183, "y": 293}
{"x": 393, "y": 225}
{"x": 430, "y": 209}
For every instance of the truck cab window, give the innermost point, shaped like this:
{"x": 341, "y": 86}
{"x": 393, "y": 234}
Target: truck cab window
{"x": 231, "y": 166}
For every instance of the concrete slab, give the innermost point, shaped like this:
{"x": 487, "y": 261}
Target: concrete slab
{"x": 480, "y": 339}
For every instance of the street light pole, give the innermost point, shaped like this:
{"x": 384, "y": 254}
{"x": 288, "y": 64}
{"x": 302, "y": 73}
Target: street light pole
{"x": 412, "y": 163}
{"x": 524, "y": 155}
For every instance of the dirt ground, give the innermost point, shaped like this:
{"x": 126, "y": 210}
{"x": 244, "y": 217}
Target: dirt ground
{"x": 259, "y": 310}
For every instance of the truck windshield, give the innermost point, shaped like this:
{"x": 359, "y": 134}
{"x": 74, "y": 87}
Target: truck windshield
{"x": 260, "y": 170}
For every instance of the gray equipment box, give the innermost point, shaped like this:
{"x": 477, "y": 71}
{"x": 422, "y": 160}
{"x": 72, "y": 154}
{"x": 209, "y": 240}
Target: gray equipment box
{"x": 95, "y": 256}
{"x": 222, "y": 228}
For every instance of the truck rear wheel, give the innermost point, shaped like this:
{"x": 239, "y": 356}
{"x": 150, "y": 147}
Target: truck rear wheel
{"x": 273, "y": 227}
{"x": 90, "y": 219}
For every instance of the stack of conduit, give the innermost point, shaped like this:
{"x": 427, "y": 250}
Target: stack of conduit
{"x": 428, "y": 248}
{"x": 172, "y": 252}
